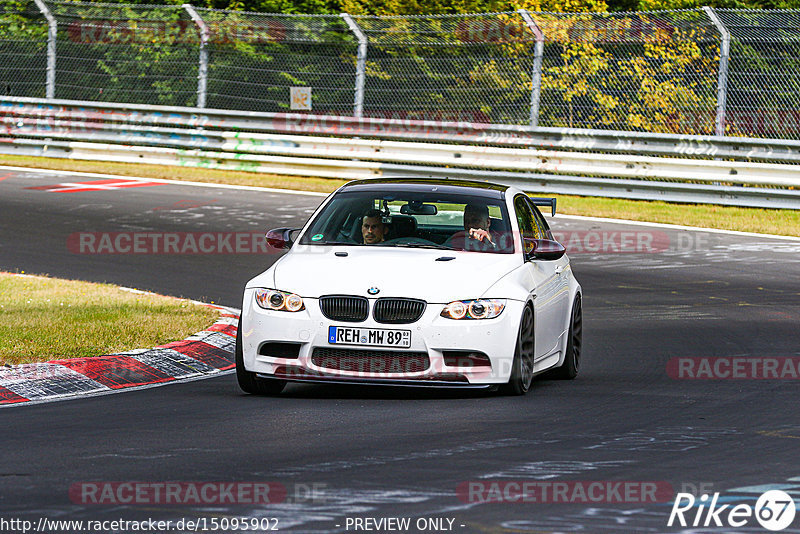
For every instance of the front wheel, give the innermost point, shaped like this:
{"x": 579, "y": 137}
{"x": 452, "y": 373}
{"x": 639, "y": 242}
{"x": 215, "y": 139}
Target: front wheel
{"x": 572, "y": 359}
{"x": 249, "y": 382}
{"x": 522, "y": 367}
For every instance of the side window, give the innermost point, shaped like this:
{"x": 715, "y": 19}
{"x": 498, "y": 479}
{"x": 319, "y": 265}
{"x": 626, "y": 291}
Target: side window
{"x": 543, "y": 228}
{"x": 527, "y": 226}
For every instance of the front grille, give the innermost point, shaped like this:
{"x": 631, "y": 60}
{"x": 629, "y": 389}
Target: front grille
{"x": 398, "y": 311}
{"x": 344, "y": 308}
{"x": 370, "y": 361}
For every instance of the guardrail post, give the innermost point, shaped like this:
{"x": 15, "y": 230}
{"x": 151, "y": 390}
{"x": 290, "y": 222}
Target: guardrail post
{"x": 52, "y": 32}
{"x": 722, "y": 82}
{"x": 536, "y": 74}
{"x": 202, "y": 71}
{"x": 361, "y": 63}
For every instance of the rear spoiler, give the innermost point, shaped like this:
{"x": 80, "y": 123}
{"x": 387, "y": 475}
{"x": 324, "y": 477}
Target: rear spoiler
{"x": 538, "y": 201}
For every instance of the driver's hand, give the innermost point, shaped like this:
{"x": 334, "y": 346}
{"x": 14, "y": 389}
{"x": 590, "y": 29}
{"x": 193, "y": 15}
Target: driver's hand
{"x": 480, "y": 234}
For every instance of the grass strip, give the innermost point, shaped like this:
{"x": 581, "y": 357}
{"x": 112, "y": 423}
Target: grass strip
{"x": 762, "y": 221}
{"x": 765, "y": 221}
{"x": 48, "y": 319}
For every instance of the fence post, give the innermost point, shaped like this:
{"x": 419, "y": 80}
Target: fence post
{"x": 361, "y": 65}
{"x": 536, "y": 75}
{"x": 52, "y": 32}
{"x": 202, "y": 71}
{"x": 722, "y": 82}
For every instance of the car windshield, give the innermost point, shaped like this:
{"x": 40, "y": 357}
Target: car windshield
{"x": 430, "y": 219}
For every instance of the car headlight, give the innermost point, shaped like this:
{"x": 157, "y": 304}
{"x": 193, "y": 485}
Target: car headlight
{"x": 474, "y": 309}
{"x": 273, "y": 299}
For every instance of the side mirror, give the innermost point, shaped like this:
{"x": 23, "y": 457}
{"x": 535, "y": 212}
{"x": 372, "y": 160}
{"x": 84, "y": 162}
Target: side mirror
{"x": 543, "y": 249}
{"x": 280, "y": 238}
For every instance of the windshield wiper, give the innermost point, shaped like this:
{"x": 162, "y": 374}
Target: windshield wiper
{"x": 420, "y": 245}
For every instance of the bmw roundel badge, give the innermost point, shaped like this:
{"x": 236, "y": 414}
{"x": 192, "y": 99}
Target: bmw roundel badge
{"x": 373, "y": 291}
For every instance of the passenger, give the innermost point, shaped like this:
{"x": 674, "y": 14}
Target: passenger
{"x": 476, "y": 234}
{"x": 373, "y": 230}
{"x": 477, "y": 222}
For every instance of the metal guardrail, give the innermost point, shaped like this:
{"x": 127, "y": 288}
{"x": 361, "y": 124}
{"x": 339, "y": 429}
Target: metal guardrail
{"x": 694, "y": 169}
{"x": 119, "y": 117}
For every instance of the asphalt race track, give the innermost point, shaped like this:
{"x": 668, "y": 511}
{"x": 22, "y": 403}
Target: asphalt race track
{"x": 344, "y": 453}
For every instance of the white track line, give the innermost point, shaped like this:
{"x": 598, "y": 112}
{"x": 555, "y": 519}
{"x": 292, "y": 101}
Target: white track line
{"x": 172, "y": 182}
{"x": 312, "y": 193}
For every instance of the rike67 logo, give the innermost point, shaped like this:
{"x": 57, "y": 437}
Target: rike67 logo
{"x": 774, "y": 510}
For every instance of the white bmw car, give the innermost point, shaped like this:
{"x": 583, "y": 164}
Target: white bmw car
{"x": 414, "y": 282}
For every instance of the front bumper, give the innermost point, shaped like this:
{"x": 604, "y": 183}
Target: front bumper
{"x": 431, "y": 335}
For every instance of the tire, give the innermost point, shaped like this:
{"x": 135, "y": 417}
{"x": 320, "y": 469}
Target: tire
{"x": 522, "y": 367}
{"x": 572, "y": 359}
{"x": 249, "y": 382}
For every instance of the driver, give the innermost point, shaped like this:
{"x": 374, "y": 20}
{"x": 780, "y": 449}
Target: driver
{"x": 373, "y": 230}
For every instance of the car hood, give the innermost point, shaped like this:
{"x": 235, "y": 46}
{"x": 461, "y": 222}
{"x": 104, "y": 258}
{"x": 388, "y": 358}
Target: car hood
{"x": 397, "y": 272}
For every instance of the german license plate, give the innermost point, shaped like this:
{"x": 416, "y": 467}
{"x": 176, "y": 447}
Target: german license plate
{"x": 373, "y": 337}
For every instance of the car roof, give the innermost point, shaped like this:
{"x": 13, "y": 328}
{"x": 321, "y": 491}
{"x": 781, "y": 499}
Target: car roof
{"x": 444, "y": 185}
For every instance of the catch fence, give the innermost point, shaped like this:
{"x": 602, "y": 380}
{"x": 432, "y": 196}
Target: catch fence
{"x": 701, "y": 71}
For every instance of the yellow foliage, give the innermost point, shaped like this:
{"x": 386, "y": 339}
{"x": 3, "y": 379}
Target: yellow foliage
{"x": 562, "y": 6}
{"x": 658, "y": 5}
{"x": 488, "y": 74}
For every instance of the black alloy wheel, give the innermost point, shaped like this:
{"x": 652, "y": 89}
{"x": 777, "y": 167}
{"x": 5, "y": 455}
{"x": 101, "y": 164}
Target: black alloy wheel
{"x": 248, "y": 381}
{"x": 572, "y": 359}
{"x": 522, "y": 367}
